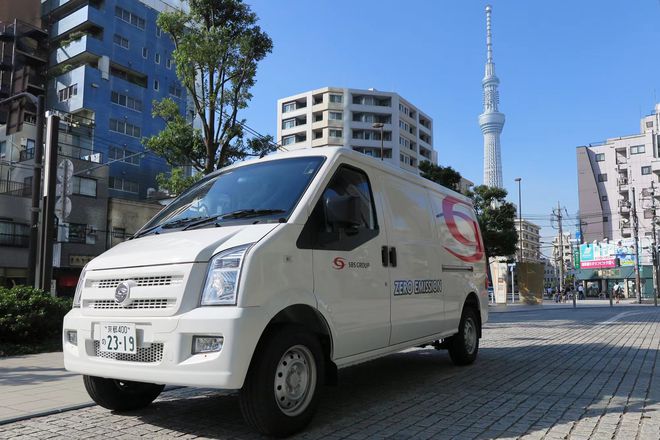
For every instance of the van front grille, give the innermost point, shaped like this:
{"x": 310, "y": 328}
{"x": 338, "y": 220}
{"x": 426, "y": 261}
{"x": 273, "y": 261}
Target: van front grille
{"x": 153, "y": 303}
{"x": 151, "y": 354}
{"x": 162, "y": 280}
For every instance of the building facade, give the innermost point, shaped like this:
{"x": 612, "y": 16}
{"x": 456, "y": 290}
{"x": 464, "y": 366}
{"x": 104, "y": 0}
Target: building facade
{"x": 355, "y": 118}
{"x": 563, "y": 247}
{"x": 609, "y": 173}
{"x": 108, "y": 62}
{"x": 529, "y": 237}
{"x": 491, "y": 120}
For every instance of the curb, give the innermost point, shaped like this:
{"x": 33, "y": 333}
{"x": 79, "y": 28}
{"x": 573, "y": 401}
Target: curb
{"x": 49, "y": 412}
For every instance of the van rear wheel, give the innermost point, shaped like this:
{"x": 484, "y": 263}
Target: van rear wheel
{"x": 464, "y": 345}
{"x": 121, "y": 395}
{"x": 279, "y": 397}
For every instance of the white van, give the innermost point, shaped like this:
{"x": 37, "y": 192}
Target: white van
{"x": 267, "y": 276}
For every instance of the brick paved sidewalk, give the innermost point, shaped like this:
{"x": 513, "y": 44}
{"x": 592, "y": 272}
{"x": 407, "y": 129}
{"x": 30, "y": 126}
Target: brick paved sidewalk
{"x": 588, "y": 373}
{"x": 37, "y": 383}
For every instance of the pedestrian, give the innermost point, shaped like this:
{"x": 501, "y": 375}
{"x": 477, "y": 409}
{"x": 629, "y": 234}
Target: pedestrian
{"x": 580, "y": 292}
{"x": 616, "y": 290}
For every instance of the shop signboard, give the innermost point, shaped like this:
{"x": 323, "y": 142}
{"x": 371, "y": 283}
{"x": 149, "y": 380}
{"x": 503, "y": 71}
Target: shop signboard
{"x": 607, "y": 255}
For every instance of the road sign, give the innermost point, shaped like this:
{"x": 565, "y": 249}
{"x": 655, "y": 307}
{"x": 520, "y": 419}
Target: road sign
{"x": 63, "y": 208}
{"x": 64, "y": 176}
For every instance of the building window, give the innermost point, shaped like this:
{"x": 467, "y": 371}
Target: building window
{"x": 156, "y": 85}
{"x": 646, "y": 170}
{"x": 124, "y": 155}
{"x": 334, "y": 133}
{"x": 126, "y": 101}
{"x": 118, "y": 233}
{"x": 336, "y": 98}
{"x": 83, "y": 186}
{"x": 67, "y": 92}
{"x": 637, "y": 149}
{"x": 288, "y": 123}
{"x": 158, "y": 32}
{"x": 3, "y": 149}
{"x": 600, "y": 157}
{"x": 605, "y": 219}
{"x": 168, "y": 63}
{"x": 175, "y": 91}
{"x": 288, "y": 140}
{"x": 157, "y": 58}
{"x": 129, "y": 17}
{"x": 77, "y": 233}
{"x": 603, "y": 198}
{"x": 14, "y": 234}
{"x": 602, "y": 177}
{"x": 335, "y": 116}
{"x": 145, "y": 53}
{"x": 125, "y": 128}
{"x": 123, "y": 185}
{"x": 649, "y": 124}
{"x": 120, "y": 41}
{"x": 288, "y": 107}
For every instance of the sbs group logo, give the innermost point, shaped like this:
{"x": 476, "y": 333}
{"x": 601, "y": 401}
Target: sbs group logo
{"x": 339, "y": 263}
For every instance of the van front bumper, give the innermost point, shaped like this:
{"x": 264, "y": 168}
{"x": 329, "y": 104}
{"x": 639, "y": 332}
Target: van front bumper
{"x": 164, "y": 354}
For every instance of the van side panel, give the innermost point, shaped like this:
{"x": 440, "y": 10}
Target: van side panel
{"x": 415, "y": 281}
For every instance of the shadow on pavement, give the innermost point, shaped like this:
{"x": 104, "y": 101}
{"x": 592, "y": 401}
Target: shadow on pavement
{"x": 405, "y": 393}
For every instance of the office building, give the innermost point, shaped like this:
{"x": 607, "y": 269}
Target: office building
{"x": 528, "y": 235}
{"x": 355, "y": 118}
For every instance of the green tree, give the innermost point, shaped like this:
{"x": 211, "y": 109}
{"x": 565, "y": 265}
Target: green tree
{"x": 218, "y": 45}
{"x": 496, "y": 220}
{"x": 445, "y": 176}
{"x": 176, "y": 181}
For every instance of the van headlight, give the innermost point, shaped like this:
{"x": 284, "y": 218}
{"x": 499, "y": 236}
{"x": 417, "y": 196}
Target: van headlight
{"x": 79, "y": 288}
{"x": 221, "y": 287}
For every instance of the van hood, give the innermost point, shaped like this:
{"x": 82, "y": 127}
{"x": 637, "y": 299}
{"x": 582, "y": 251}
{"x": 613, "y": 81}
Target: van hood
{"x": 197, "y": 245}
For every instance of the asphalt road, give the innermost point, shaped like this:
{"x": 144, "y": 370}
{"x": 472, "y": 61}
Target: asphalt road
{"x": 588, "y": 373}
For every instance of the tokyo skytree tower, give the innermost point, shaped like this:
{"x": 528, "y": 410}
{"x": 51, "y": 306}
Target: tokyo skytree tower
{"x": 491, "y": 120}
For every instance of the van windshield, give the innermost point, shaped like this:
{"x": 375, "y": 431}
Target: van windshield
{"x": 268, "y": 190}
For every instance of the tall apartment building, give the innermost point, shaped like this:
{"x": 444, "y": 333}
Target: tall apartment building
{"x": 355, "y": 118}
{"x": 563, "y": 244}
{"x": 608, "y": 172}
{"x": 529, "y": 235}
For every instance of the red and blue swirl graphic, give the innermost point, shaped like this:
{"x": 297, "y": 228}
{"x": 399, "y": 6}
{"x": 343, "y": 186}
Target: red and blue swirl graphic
{"x": 450, "y": 215}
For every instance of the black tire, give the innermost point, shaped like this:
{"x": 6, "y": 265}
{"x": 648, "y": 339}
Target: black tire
{"x": 121, "y": 395}
{"x": 280, "y": 394}
{"x": 464, "y": 345}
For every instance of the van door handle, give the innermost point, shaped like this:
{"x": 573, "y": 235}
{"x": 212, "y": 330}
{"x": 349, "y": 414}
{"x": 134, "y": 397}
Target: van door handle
{"x": 393, "y": 256}
{"x": 385, "y": 256}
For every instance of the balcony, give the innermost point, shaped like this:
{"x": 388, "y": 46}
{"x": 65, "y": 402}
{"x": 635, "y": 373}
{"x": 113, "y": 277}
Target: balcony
{"x": 80, "y": 20}
{"x": 86, "y": 43}
{"x": 11, "y": 188}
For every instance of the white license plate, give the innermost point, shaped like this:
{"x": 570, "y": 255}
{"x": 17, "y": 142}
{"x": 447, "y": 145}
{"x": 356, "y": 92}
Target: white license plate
{"x": 118, "y": 338}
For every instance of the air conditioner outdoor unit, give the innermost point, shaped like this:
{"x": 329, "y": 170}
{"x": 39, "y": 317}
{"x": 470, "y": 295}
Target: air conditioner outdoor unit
{"x": 23, "y": 142}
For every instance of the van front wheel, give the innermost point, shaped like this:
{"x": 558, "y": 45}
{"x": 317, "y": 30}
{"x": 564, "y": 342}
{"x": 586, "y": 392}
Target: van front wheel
{"x": 464, "y": 345}
{"x": 279, "y": 397}
{"x": 121, "y": 395}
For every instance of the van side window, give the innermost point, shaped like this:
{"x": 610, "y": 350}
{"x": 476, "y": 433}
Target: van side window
{"x": 345, "y": 215}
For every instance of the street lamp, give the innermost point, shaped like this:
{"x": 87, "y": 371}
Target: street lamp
{"x": 380, "y": 125}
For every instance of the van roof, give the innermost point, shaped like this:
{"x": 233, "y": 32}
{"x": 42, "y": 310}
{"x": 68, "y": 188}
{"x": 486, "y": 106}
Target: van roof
{"x": 334, "y": 153}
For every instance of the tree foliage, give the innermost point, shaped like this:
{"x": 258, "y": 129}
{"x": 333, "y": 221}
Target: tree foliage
{"x": 218, "y": 45}
{"x": 496, "y": 219}
{"x": 176, "y": 181}
{"x": 445, "y": 176}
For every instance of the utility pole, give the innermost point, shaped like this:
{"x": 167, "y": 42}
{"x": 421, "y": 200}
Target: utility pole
{"x": 636, "y": 236}
{"x": 654, "y": 248}
{"x": 46, "y": 266}
{"x": 561, "y": 250}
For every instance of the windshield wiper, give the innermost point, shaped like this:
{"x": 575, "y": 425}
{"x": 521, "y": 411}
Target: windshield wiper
{"x": 241, "y": 213}
{"x": 167, "y": 225}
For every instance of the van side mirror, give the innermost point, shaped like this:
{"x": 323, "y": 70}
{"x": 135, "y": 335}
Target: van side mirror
{"x": 344, "y": 212}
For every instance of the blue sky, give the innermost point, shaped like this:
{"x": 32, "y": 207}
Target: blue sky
{"x": 571, "y": 72}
